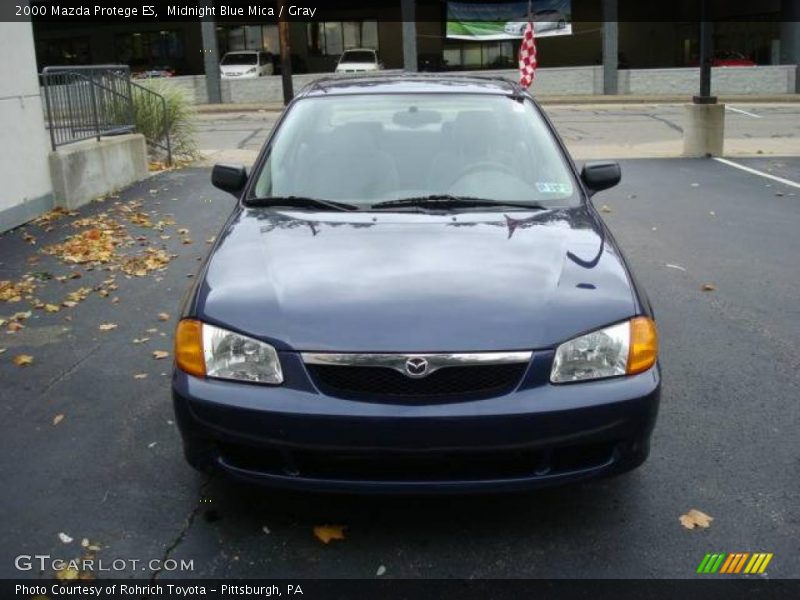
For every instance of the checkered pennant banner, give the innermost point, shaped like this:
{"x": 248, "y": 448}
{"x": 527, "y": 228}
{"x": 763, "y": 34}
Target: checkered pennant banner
{"x": 527, "y": 57}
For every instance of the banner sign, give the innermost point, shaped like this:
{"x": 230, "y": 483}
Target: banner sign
{"x": 507, "y": 21}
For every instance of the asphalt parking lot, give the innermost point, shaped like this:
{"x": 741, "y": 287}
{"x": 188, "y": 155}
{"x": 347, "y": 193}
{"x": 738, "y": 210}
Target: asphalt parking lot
{"x": 590, "y": 131}
{"x": 111, "y": 470}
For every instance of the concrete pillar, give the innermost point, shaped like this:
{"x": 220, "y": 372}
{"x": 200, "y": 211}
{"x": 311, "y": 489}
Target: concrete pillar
{"x": 409, "y": 35}
{"x": 703, "y": 129}
{"x": 208, "y": 30}
{"x": 610, "y": 47}
{"x": 790, "y": 32}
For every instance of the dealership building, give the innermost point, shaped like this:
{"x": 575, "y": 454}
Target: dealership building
{"x": 766, "y": 32}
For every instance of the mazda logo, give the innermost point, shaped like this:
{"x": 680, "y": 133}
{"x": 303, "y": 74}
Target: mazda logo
{"x": 416, "y": 367}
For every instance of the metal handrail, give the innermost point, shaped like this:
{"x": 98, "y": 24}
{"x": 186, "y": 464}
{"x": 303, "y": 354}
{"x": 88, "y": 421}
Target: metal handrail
{"x": 85, "y": 102}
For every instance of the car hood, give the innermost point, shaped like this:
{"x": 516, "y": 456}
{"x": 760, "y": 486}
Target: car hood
{"x": 409, "y": 282}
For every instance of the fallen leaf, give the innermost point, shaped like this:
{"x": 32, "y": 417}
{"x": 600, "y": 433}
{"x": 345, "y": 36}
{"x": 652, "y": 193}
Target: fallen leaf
{"x": 52, "y": 308}
{"x": 605, "y": 208}
{"x": 159, "y": 354}
{"x": 2, "y": 350}
{"x": 695, "y": 185}
{"x": 57, "y": 419}
{"x": 163, "y": 317}
{"x": 115, "y": 300}
{"x": 85, "y": 542}
{"x": 183, "y": 231}
{"x": 708, "y": 287}
{"x": 140, "y": 340}
{"x": 186, "y": 241}
{"x": 140, "y": 376}
{"x": 678, "y": 267}
{"x": 381, "y": 570}
{"x": 152, "y": 330}
{"x": 152, "y": 444}
{"x": 68, "y": 573}
{"x": 712, "y": 213}
{"x": 65, "y": 538}
{"x": 108, "y": 326}
{"x": 694, "y": 518}
{"x": 14, "y": 327}
{"x": 23, "y": 360}
{"x": 69, "y": 304}
{"x": 326, "y": 533}
{"x": 265, "y": 529}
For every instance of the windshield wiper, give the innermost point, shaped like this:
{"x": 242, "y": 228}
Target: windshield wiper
{"x": 450, "y": 201}
{"x": 300, "y": 202}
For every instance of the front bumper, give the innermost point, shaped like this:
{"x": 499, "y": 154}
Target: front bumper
{"x": 293, "y": 436}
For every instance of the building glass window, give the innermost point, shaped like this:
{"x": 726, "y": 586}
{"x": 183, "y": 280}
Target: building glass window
{"x": 150, "y": 49}
{"x": 70, "y": 51}
{"x": 250, "y": 37}
{"x": 331, "y": 38}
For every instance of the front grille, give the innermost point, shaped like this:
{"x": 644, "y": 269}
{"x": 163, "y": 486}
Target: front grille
{"x": 464, "y": 382}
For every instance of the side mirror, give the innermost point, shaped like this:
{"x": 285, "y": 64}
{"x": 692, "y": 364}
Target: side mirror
{"x": 601, "y": 175}
{"x": 229, "y": 178}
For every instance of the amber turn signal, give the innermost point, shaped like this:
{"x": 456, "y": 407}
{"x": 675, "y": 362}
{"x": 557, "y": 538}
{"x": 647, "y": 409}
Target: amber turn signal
{"x": 189, "y": 348}
{"x": 643, "y": 345}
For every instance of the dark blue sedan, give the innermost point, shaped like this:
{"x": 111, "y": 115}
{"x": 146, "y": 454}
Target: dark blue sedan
{"x": 414, "y": 293}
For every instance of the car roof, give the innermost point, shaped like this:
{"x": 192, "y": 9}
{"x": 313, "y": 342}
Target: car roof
{"x": 407, "y": 83}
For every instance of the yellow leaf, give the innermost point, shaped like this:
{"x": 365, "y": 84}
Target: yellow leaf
{"x": 605, "y": 208}
{"x": 108, "y": 326}
{"x": 159, "y": 354}
{"x": 694, "y": 518}
{"x": 326, "y": 533}
{"x": 69, "y": 304}
{"x": 57, "y": 419}
{"x": 23, "y": 360}
{"x": 52, "y": 308}
{"x": 68, "y": 574}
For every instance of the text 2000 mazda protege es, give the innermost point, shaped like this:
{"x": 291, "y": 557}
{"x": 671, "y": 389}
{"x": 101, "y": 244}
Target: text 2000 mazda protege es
{"x": 414, "y": 293}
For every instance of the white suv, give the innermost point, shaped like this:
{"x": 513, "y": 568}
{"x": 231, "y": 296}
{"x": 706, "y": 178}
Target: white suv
{"x": 246, "y": 64}
{"x": 358, "y": 60}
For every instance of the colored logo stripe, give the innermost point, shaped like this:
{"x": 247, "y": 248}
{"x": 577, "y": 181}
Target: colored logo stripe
{"x": 734, "y": 562}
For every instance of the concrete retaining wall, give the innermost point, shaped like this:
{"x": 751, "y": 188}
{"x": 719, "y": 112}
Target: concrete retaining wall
{"x": 549, "y": 82}
{"x": 85, "y": 170}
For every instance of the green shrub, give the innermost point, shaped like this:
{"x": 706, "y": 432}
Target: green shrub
{"x": 150, "y": 121}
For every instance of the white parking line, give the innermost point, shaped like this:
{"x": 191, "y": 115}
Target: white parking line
{"x": 744, "y": 112}
{"x": 730, "y": 163}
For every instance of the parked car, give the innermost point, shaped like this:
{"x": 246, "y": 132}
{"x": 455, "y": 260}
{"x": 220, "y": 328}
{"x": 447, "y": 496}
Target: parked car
{"x": 544, "y": 20}
{"x": 153, "y": 72}
{"x": 414, "y": 293}
{"x": 358, "y": 60}
{"x": 729, "y": 58}
{"x": 726, "y": 58}
{"x": 246, "y": 64}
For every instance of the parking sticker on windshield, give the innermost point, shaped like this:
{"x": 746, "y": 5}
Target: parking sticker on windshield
{"x": 547, "y": 187}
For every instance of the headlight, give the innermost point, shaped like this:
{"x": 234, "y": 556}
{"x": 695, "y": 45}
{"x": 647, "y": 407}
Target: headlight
{"x": 623, "y": 349}
{"x": 207, "y": 351}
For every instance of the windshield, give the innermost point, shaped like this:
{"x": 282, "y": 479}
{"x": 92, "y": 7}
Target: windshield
{"x": 370, "y": 148}
{"x": 358, "y": 56}
{"x": 243, "y": 58}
